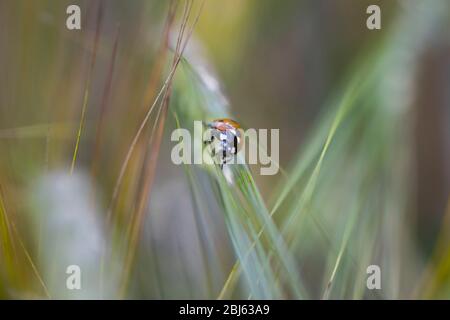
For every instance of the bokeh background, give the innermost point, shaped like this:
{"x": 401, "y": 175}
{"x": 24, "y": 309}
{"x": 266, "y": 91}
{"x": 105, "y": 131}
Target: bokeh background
{"x": 364, "y": 119}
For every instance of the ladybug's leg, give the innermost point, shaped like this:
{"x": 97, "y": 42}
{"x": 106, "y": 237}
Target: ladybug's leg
{"x": 224, "y": 152}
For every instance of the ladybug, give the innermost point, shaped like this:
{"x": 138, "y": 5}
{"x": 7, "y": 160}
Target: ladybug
{"x": 225, "y": 139}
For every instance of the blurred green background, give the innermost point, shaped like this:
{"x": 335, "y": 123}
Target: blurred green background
{"x": 364, "y": 119}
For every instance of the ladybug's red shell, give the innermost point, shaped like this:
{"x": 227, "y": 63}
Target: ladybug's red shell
{"x": 225, "y": 124}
